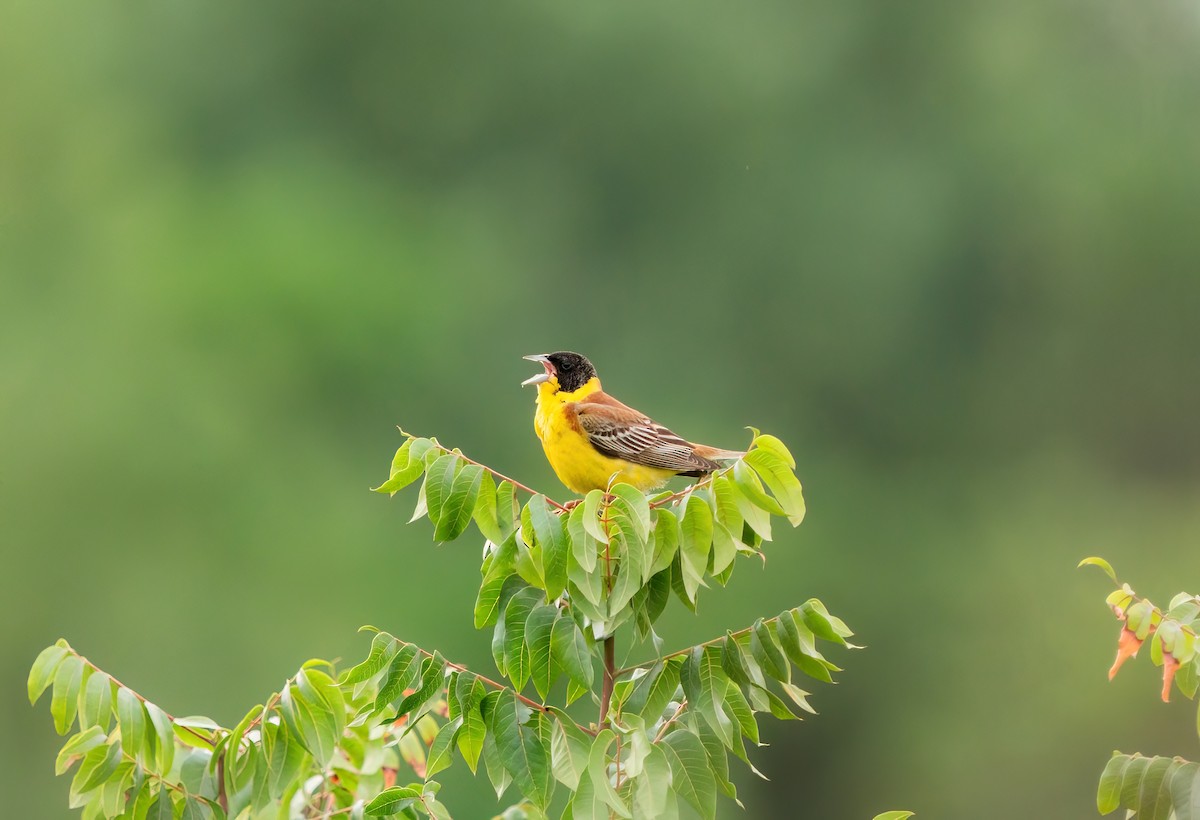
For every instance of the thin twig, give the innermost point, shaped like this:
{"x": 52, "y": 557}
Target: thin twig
{"x": 222, "y": 797}
{"x": 137, "y": 695}
{"x": 679, "y": 652}
{"x": 541, "y": 707}
{"x": 610, "y": 641}
{"x": 675, "y": 496}
{"x": 178, "y": 787}
{"x": 494, "y": 473}
{"x": 610, "y": 679}
{"x": 662, "y": 731}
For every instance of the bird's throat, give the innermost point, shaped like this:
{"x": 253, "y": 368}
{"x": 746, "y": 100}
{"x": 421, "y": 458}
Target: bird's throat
{"x": 549, "y": 392}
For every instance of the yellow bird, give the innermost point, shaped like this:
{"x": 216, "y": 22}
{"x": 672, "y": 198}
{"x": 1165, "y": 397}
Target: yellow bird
{"x": 589, "y": 436}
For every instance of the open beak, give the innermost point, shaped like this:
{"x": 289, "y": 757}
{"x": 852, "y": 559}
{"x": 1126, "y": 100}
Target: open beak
{"x": 544, "y": 361}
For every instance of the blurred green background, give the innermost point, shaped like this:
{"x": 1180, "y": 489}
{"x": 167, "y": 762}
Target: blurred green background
{"x": 948, "y": 252}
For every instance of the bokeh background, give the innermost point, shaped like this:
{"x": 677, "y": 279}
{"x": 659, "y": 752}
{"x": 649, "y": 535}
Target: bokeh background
{"x": 948, "y": 252}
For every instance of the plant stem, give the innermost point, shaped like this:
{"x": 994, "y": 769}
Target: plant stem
{"x": 530, "y": 702}
{"x": 222, "y": 798}
{"x": 610, "y": 677}
{"x": 735, "y": 635}
{"x": 494, "y": 473}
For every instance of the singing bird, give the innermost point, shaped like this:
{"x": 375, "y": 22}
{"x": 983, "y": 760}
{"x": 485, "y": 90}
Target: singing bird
{"x": 589, "y": 436}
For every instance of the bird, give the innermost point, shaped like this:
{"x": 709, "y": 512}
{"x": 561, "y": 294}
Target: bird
{"x": 592, "y": 440}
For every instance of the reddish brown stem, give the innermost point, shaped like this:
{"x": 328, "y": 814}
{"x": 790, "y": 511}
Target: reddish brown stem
{"x": 495, "y": 474}
{"x": 610, "y": 677}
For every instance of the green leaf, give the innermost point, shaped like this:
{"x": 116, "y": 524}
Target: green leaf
{"x": 433, "y": 677}
{"x": 523, "y": 752}
{"x": 654, "y": 690}
{"x": 439, "y": 479}
{"x": 630, "y": 505}
{"x": 79, "y": 745}
{"x": 718, "y": 759}
{"x": 516, "y": 651}
{"x": 569, "y": 649}
{"x": 383, "y": 649}
{"x": 783, "y": 483}
{"x": 459, "y": 505}
{"x": 64, "y": 699}
{"x": 598, "y": 773}
{"x": 539, "y": 628}
{"x": 97, "y": 767}
{"x": 1132, "y": 780}
{"x": 774, "y": 445}
{"x": 501, "y": 568}
{"x": 583, "y": 544}
{"x": 628, "y": 578}
{"x": 767, "y": 653}
{"x": 551, "y": 536}
{"x": 738, "y": 664}
{"x": 894, "y": 815}
{"x": 1099, "y": 562}
{"x": 695, "y": 542}
{"x": 1153, "y": 803}
{"x": 193, "y": 809}
{"x": 704, "y": 684}
{"x": 392, "y": 801}
{"x": 162, "y": 808}
{"x": 529, "y": 552}
{"x": 586, "y": 803}
{"x": 729, "y": 523}
{"x": 798, "y": 696}
{"x": 678, "y": 586}
{"x": 485, "y": 511}
{"x": 400, "y": 675}
{"x": 825, "y": 626}
{"x": 666, "y": 540}
{"x": 650, "y": 602}
{"x": 310, "y": 718}
{"x": 569, "y": 750}
{"x": 286, "y": 758}
{"x": 42, "y": 673}
{"x": 96, "y": 702}
{"x": 799, "y": 644}
{"x": 131, "y": 718}
{"x": 497, "y": 774}
{"x": 653, "y": 785}
{"x": 163, "y": 743}
{"x": 474, "y": 730}
{"x": 690, "y": 776}
{"x": 407, "y": 465}
{"x": 750, "y": 487}
{"x": 1185, "y": 791}
{"x": 739, "y": 711}
{"x": 443, "y": 745}
{"x": 592, "y": 505}
{"x": 323, "y": 692}
{"x": 507, "y": 509}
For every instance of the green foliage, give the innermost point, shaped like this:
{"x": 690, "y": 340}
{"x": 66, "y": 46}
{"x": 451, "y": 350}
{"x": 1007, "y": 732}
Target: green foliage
{"x": 1154, "y": 788}
{"x": 558, "y": 582}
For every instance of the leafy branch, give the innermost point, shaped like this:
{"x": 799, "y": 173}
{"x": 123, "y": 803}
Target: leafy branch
{"x": 559, "y": 583}
{"x": 1153, "y": 787}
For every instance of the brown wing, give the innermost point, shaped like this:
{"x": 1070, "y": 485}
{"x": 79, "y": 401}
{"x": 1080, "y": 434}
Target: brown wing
{"x": 619, "y": 431}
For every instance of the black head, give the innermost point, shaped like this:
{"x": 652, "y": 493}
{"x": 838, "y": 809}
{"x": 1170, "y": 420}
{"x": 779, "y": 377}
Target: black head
{"x": 571, "y": 370}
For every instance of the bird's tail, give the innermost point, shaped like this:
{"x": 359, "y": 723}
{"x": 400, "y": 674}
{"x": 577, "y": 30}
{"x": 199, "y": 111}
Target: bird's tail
{"x": 714, "y": 454}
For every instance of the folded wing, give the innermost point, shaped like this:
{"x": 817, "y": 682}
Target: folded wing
{"x": 619, "y": 431}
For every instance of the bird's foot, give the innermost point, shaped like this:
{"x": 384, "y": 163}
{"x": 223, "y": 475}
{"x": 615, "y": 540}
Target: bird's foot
{"x": 572, "y": 504}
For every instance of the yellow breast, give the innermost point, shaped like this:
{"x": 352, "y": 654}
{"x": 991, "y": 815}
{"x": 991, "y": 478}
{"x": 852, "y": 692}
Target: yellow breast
{"x": 575, "y": 461}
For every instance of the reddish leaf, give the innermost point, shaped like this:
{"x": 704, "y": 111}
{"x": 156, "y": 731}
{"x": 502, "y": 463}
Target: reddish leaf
{"x": 1169, "y": 667}
{"x": 1127, "y": 647}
